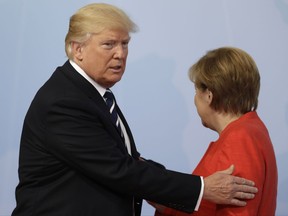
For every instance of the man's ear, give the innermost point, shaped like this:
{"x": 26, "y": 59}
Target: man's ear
{"x": 77, "y": 49}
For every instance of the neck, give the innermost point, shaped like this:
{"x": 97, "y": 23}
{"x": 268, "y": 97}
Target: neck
{"x": 224, "y": 119}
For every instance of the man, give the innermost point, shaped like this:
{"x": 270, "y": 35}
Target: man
{"x": 77, "y": 153}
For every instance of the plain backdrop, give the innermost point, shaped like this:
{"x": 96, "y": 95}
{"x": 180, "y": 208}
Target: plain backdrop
{"x": 155, "y": 93}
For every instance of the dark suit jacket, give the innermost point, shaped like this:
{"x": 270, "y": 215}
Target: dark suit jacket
{"x": 73, "y": 161}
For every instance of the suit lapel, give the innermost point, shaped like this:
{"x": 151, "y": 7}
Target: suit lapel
{"x": 89, "y": 90}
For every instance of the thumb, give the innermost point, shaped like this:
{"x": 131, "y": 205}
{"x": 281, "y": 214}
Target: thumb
{"x": 228, "y": 171}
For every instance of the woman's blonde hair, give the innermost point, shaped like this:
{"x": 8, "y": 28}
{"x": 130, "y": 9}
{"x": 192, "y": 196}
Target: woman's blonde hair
{"x": 232, "y": 76}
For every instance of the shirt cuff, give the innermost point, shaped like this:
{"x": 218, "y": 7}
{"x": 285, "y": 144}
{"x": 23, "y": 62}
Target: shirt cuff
{"x": 200, "y": 195}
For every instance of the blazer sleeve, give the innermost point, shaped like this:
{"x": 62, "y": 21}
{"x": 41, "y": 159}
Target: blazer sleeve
{"x": 78, "y": 133}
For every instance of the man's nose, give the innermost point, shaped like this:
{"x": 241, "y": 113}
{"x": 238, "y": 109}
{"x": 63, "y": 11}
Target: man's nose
{"x": 120, "y": 52}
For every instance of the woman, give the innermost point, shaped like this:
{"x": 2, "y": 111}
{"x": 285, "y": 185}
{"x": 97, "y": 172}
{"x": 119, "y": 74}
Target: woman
{"x": 227, "y": 84}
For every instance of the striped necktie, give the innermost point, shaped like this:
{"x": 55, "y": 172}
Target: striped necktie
{"x": 110, "y": 101}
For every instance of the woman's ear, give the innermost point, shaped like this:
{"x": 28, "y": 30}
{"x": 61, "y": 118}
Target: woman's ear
{"x": 209, "y": 96}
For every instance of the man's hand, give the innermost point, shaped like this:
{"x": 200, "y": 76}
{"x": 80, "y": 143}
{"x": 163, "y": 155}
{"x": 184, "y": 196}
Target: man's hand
{"x": 223, "y": 188}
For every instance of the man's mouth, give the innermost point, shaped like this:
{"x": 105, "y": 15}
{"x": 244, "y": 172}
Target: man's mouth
{"x": 117, "y": 68}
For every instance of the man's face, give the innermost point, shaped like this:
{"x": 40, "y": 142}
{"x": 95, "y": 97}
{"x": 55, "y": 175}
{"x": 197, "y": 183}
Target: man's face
{"x": 103, "y": 56}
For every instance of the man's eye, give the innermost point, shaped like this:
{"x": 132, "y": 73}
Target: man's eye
{"x": 125, "y": 44}
{"x": 108, "y": 45}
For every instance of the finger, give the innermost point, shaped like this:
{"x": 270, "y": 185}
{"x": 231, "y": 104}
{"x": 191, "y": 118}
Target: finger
{"x": 246, "y": 189}
{"x": 242, "y": 181}
{"x": 228, "y": 171}
{"x": 243, "y": 195}
{"x": 238, "y": 202}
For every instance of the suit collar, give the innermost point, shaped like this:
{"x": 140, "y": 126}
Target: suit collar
{"x": 99, "y": 88}
{"x": 82, "y": 83}
{"x": 88, "y": 89}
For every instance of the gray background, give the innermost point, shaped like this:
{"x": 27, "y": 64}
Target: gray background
{"x": 155, "y": 94}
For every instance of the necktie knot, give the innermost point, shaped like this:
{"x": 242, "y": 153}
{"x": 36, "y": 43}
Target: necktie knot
{"x": 108, "y": 95}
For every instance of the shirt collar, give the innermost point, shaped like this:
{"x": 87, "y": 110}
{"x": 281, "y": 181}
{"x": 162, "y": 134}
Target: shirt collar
{"x": 99, "y": 88}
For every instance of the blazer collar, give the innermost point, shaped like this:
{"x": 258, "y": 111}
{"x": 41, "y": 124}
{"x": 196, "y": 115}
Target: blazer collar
{"x": 83, "y": 84}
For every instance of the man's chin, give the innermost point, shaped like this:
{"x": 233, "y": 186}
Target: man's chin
{"x": 111, "y": 83}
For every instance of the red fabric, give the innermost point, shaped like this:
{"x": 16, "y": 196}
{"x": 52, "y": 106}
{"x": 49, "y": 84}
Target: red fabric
{"x": 246, "y": 144}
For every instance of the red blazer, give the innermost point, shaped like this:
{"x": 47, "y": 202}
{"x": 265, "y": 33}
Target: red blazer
{"x": 246, "y": 144}
{"x": 73, "y": 162}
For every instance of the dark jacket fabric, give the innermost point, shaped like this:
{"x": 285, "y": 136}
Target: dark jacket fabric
{"x": 73, "y": 161}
